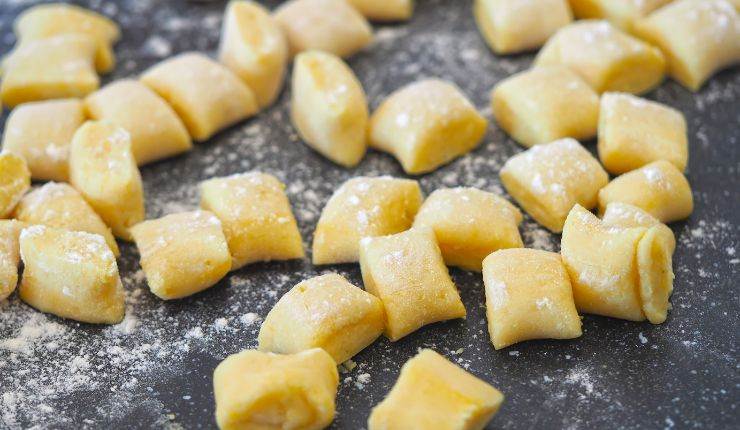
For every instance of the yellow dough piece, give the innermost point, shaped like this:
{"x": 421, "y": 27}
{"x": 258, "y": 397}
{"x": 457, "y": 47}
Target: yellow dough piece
{"x": 256, "y": 217}
{"x": 57, "y": 67}
{"x": 103, "y": 169}
{"x": 206, "y": 95}
{"x": 658, "y": 188}
{"x": 253, "y": 46}
{"x": 265, "y": 391}
{"x": 324, "y": 312}
{"x": 407, "y": 273}
{"x": 622, "y": 13}
{"x": 15, "y": 180}
{"x": 433, "y": 393}
{"x": 528, "y": 296}
{"x": 511, "y": 26}
{"x": 333, "y": 26}
{"x": 43, "y": 21}
{"x": 156, "y": 130}
{"x": 41, "y": 133}
{"x": 634, "y": 132}
{"x": 10, "y": 231}
{"x": 470, "y": 224}
{"x": 426, "y": 124}
{"x": 60, "y": 206}
{"x": 698, "y": 37}
{"x": 363, "y": 207}
{"x": 530, "y": 106}
{"x": 607, "y": 58}
{"x": 71, "y": 274}
{"x": 182, "y": 254}
{"x": 548, "y": 180}
{"x": 385, "y": 10}
{"x": 328, "y": 107}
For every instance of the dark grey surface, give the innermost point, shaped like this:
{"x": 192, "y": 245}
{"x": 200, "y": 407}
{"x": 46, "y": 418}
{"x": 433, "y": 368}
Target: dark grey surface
{"x": 619, "y": 374}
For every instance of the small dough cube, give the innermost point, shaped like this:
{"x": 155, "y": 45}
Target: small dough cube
{"x": 103, "y": 169}
{"x": 529, "y": 106}
{"x": 60, "y": 206}
{"x": 256, "y": 217}
{"x": 182, "y": 254}
{"x": 385, "y": 10}
{"x": 43, "y": 21}
{"x": 57, "y": 67}
{"x": 41, "y": 133}
{"x": 260, "y": 390}
{"x": 363, "y": 207}
{"x": 324, "y": 312}
{"x": 622, "y": 13}
{"x": 470, "y": 224}
{"x": 658, "y": 188}
{"x": 333, "y": 26}
{"x": 434, "y": 393}
{"x": 71, "y": 274}
{"x": 254, "y": 47}
{"x": 625, "y": 215}
{"x": 156, "y": 130}
{"x": 511, "y": 26}
{"x": 328, "y": 107}
{"x": 605, "y": 57}
{"x": 634, "y": 132}
{"x": 15, "y": 180}
{"x": 698, "y": 37}
{"x": 407, "y": 273}
{"x": 426, "y": 124}
{"x": 10, "y": 231}
{"x": 206, "y": 95}
{"x": 548, "y": 180}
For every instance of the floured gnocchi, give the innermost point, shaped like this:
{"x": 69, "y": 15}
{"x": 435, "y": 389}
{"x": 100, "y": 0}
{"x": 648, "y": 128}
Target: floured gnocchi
{"x": 622, "y": 13}
{"x": 10, "y": 231}
{"x": 384, "y": 10}
{"x": 15, "y": 180}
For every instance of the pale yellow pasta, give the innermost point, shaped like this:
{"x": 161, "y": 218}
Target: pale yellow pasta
{"x": 385, "y": 10}
{"x": 10, "y": 231}
{"x": 15, "y": 180}
{"x": 622, "y": 13}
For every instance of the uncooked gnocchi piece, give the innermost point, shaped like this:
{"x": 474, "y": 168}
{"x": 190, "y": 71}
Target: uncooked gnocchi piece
{"x": 698, "y": 37}
{"x": 622, "y": 13}
{"x": 470, "y": 224}
{"x": 206, "y": 95}
{"x": 182, "y": 254}
{"x": 102, "y": 168}
{"x": 256, "y": 217}
{"x": 634, "y": 132}
{"x": 324, "y": 312}
{"x": 328, "y": 107}
{"x": 261, "y": 390}
{"x": 43, "y": 21}
{"x": 15, "y": 180}
{"x": 253, "y": 46}
{"x": 333, "y": 26}
{"x": 60, "y": 206}
{"x": 530, "y": 106}
{"x": 658, "y": 188}
{"x": 426, "y": 124}
{"x": 363, "y": 207}
{"x": 10, "y": 231}
{"x": 385, "y": 10}
{"x": 57, "y": 67}
{"x": 407, "y": 273}
{"x": 511, "y": 26}
{"x": 548, "y": 180}
{"x": 605, "y": 57}
{"x": 156, "y": 130}
{"x": 71, "y": 274}
{"x": 41, "y": 133}
{"x": 433, "y": 393}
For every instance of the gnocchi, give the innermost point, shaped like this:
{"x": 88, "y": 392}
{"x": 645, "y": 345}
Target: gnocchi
{"x": 15, "y": 180}
{"x": 10, "y": 231}
{"x": 622, "y": 13}
{"x": 385, "y": 10}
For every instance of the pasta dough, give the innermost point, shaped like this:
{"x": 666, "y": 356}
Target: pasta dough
{"x": 15, "y": 180}
{"x": 425, "y": 125}
{"x": 256, "y": 217}
{"x": 407, "y": 273}
{"x": 529, "y": 106}
{"x": 434, "y": 393}
{"x": 385, "y": 10}
{"x": 324, "y": 312}
{"x": 605, "y": 57}
{"x": 328, "y": 107}
{"x": 622, "y": 13}
{"x": 258, "y": 390}
{"x": 10, "y": 231}
{"x": 548, "y": 180}
{"x": 469, "y": 224}
{"x": 363, "y": 207}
